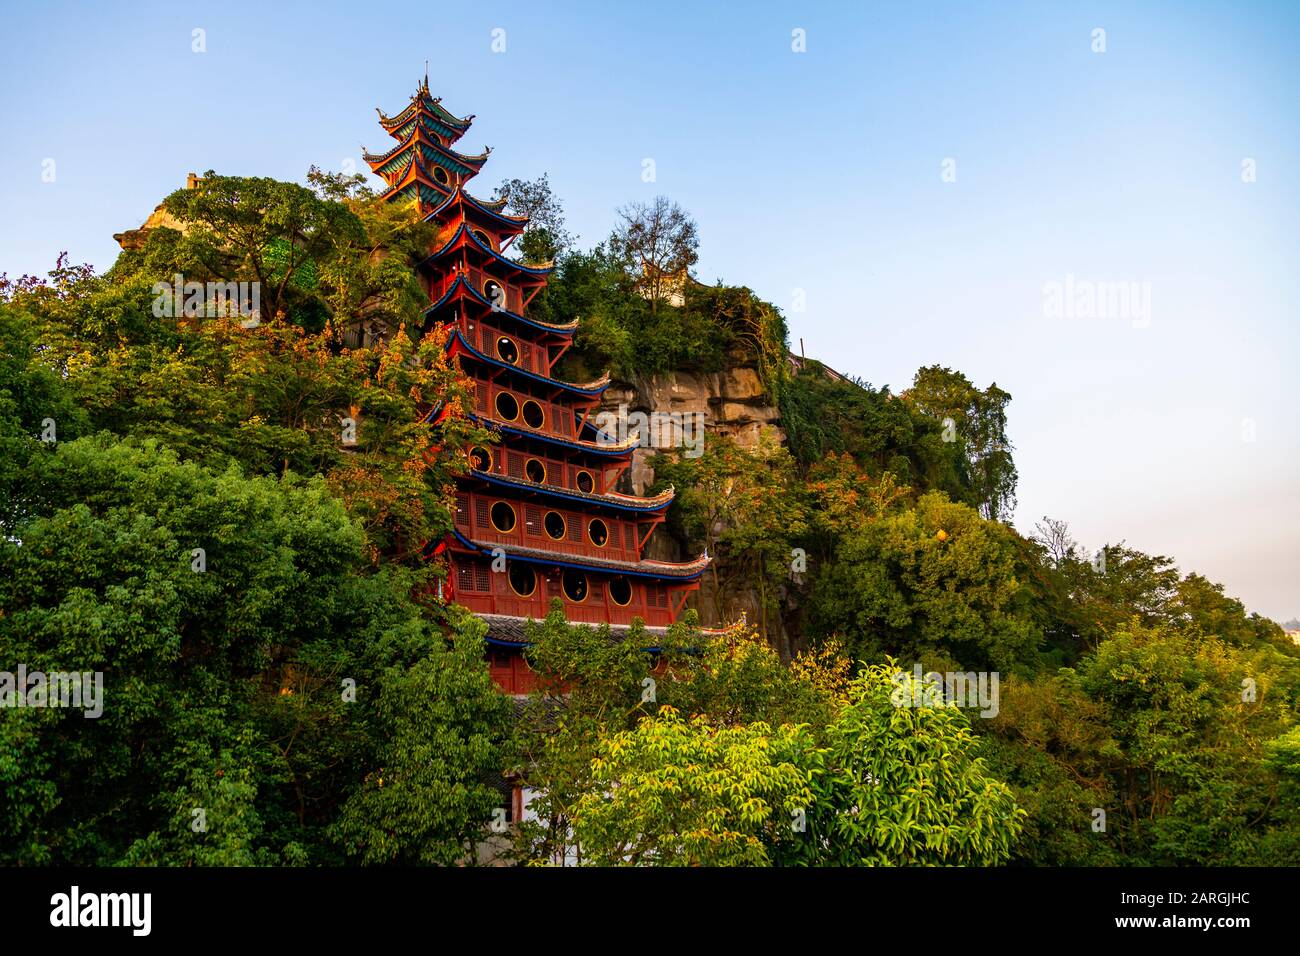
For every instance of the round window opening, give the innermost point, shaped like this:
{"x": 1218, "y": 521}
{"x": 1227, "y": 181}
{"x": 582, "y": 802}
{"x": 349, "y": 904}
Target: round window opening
{"x": 481, "y": 236}
{"x": 503, "y": 517}
{"x": 507, "y": 351}
{"x": 440, "y": 175}
{"x": 575, "y": 586}
{"x": 585, "y": 482}
{"x": 534, "y": 417}
{"x": 554, "y": 524}
{"x": 598, "y": 532}
{"x": 494, "y": 293}
{"x": 480, "y": 459}
{"x": 523, "y": 579}
{"x": 507, "y": 407}
{"x": 535, "y": 471}
{"x": 620, "y": 591}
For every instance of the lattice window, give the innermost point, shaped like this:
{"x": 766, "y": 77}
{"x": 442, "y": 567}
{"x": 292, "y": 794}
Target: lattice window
{"x": 481, "y": 577}
{"x": 533, "y": 519}
{"x": 481, "y": 512}
{"x": 629, "y": 536}
{"x": 516, "y": 466}
{"x": 481, "y": 391}
{"x": 575, "y": 529}
{"x": 462, "y": 512}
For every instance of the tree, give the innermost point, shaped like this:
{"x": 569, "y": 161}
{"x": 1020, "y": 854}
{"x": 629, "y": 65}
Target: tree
{"x": 545, "y": 239}
{"x": 935, "y": 581}
{"x": 273, "y": 231}
{"x": 442, "y": 724}
{"x": 657, "y": 244}
{"x": 677, "y": 793}
{"x": 903, "y": 786}
{"x": 979, "y": 421}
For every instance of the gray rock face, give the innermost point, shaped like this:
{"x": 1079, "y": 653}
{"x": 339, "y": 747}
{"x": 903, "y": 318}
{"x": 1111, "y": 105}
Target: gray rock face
{"x": 728, "y": 403}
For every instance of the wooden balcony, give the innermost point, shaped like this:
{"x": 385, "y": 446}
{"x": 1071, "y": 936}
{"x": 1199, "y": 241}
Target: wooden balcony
{"x": 528, "y": 355}
{"x": 556, "y": 418}
{"x": 548, "y": 470}
{"x": 484, "y": 591}
{"x": 562, "y": 531}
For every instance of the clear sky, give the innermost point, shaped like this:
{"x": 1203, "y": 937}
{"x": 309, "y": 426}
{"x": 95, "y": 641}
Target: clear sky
{"x": 817, "y": 175}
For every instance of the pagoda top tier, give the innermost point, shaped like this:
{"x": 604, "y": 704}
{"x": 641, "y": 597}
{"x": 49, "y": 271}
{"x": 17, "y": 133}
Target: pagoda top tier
{"x": 424, "y": 105}
{"x": 423, "y": 165}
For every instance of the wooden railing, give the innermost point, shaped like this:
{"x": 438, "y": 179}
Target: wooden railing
{"x": 474, "y": 520}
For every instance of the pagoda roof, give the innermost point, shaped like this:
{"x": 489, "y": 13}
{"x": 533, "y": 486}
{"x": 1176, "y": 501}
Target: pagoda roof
{"x": 656, "y": 570}
{"x": 566, "y": 328}
{"x": 490, "y": 209}
{"x": 582, "y": 388}
{"x": 418, "y": 136}
{"x": 609, "y": 449}
{"x": 464, "y": 233}
{"x": 650, "y": 505}
{"x": 423, "y": 100}
{"x": 414, "y": 172}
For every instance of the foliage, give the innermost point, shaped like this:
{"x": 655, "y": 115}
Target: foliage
{"x": 903, "y": 786}
{"x": 678, "y": 793}
{"x": 934, "y": 581}
{"x": 979, "y": 421}
{"x": 545, "y": 239}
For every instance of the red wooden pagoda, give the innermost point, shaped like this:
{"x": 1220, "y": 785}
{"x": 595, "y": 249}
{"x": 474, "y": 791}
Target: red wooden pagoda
{"x": 537, "y": 516}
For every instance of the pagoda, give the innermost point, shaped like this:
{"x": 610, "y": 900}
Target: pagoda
{"x": 538, "y": 516}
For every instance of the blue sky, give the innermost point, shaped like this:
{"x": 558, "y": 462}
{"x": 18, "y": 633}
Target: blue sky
{"x": 818, "y": 171}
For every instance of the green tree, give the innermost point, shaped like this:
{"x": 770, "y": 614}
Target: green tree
{"x": 934, "y": 582}
{"x": 903, "y": 786}
{"x": 673, "y": 792}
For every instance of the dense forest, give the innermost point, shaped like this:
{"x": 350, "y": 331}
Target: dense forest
{"x": 282, "y": 686}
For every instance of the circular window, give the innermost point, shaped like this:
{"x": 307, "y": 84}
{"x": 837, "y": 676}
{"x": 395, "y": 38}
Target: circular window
{"x": 480, "y": 459}
{"x": 575, "y": 586}
{"x": 507, "y": 407}
{"x": 554, "y": 524}
{"x": 503, "y": 517}
{"x": 620, "y": 591}
{"x": 440, "y": 175}
{"x": 534, "y": 417}
{"x": 507, "y": 351}
{"x": 523, "y": 579}
{"x": 535, "y": 471}
{"x": 481, "y": 236}
{"x": 585, "y": 482}
{"x": 495, "y": 294}
{"x": 598, "y": 531}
